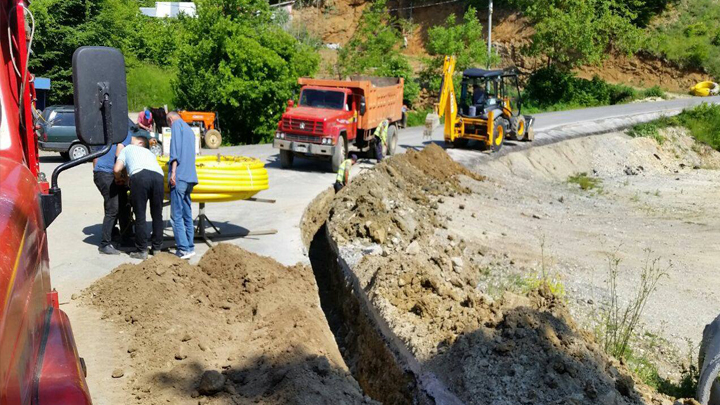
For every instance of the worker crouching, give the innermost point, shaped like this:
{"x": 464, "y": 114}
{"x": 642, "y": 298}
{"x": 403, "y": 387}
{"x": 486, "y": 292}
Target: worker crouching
{"x": 381, "y": 138}
{"x": 146, "y": 184}
{"x": 343, "y": 173}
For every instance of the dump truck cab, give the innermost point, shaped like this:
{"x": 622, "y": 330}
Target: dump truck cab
{"x": 334, "y": 117}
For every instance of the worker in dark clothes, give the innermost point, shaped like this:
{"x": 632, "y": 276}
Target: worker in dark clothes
{"x": 381, "y": 138}
{"x": 343, "y": 174}
{"x": 478, "y": 95}
{"x": 115, "y": 203}
{"x": 182, "y": 179}
{"x": 146, "y": 184}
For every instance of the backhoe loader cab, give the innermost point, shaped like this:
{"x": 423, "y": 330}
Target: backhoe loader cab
{"x": 488, "y": 109}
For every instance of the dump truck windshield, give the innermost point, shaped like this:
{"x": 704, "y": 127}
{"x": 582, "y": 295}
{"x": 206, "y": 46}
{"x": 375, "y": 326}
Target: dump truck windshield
{"x": 334, "y": 100}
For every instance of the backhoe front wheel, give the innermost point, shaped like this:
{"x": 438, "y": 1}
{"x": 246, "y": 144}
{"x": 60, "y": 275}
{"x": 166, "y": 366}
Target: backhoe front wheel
{"x": 519, "y": 128}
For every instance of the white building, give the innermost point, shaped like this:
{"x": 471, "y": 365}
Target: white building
{"x": 164, "y": 9}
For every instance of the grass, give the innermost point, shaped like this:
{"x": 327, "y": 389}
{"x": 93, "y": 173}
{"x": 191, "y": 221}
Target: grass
{"x": 618, "y": 323}
{"x": 148, "y": 86}
{"x": 417, "y": 118}
{"x": 703, "y": 123}
{"x": 585, "y": 182}
{"x": 689, "y": 35}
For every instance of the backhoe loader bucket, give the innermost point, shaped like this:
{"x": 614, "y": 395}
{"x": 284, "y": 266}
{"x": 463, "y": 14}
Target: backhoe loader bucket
{"x": 432, "y": 121}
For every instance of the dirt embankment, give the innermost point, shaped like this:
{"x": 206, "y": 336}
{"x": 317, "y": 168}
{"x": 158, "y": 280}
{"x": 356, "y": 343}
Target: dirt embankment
{"x": 336, "y": 22}
{"x": 237, "y": 328}
{"x": 423, "y": 279}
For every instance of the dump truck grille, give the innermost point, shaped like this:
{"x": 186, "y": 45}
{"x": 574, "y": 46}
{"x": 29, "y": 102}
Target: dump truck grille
{"x": 302, "y": 138}
{"x": 313, "y": 127}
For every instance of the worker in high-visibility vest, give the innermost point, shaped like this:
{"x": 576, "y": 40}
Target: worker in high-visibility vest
{"x": 343, "y": 173}
{"x": 381, "y": 138}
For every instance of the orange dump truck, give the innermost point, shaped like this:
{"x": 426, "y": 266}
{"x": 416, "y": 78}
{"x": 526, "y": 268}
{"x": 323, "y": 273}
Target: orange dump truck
{"x": 334, "y": 117}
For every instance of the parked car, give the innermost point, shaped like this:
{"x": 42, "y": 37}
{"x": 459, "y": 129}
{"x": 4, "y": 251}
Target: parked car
{"x": 56, "y": 132}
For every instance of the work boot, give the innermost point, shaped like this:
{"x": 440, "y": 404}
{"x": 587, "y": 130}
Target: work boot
{"x": 139, "y": 255}
{"x": 108, "y": 250}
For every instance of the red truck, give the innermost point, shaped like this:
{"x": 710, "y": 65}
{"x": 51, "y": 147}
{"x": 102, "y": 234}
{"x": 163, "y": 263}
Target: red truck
{"x": 39, "y": 362}
{"x": 335, "y": 117}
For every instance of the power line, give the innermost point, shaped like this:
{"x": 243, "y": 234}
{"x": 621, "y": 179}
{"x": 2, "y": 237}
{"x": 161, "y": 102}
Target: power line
{"x": 425, "y": 5}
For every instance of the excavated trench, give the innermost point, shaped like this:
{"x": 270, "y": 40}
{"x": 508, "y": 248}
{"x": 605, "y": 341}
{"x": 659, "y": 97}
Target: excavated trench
{"x": 363, "y": 346}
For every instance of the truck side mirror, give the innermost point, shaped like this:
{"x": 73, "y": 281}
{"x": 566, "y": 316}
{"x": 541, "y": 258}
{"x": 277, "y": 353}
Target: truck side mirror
{"x": 99, "y": 73}
{"x": 291, "y": 103}
{"x": 101, "y": 112}
{"x": 363, "y": 106}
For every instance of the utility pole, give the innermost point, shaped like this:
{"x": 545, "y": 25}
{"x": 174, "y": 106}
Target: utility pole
{"x": 489, "y": 38}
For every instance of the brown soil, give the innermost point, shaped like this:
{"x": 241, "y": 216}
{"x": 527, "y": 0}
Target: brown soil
{"x": 315, "y": 215}
{"x": 423, "y": 279}
{"x": 246, "y": 316}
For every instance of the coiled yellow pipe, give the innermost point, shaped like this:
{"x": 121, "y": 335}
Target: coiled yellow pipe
{"x": 224, "y": 178}
{"x": 705, "y": 89}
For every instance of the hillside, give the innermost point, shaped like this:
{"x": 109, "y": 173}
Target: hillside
{"x": 336, "y": 22}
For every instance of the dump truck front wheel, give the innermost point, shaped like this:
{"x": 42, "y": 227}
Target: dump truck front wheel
{"x": 286, "y": 158}
{"x": 213, "y": 139}
{"x": 340, "y": 153}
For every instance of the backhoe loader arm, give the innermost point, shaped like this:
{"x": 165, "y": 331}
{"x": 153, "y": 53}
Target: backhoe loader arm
{"x": 447, "y": 105}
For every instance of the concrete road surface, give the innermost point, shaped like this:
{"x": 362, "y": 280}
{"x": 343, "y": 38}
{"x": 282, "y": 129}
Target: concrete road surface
{"x": 74, "y": 236}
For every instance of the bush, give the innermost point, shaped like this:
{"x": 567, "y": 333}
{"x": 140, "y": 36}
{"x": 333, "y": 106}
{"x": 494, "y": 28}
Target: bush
{"x": 235, "y": 60}
{"x": 696, "y": 30}
{"x": 654, "y": 91}
{"x": 148, "y": 85}
{"x": 553, "y": 89}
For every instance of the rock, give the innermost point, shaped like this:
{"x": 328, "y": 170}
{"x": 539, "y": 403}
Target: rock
{"x": 413, "y": 248}
{"x": 625, "y": 385}
{"x": 457, "y": 262}
{"x": 376, "y": 233}
{"x": 211, "y": 382}
{"x": 473, "y": 215}
{"x": 160, "y": 270}
{"x": 74, "y": 297}
{"x": 131, "y": 349}
{"x": 462, "y": 206}
{"x": 117, "y": 373}
{"x": 202, "y": 346}
{"x": 185, "y": 338}
{"x": 180, "y": 354}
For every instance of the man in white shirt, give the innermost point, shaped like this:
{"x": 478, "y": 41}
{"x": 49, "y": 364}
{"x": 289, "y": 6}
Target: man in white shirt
{"x": 146, "y": 183}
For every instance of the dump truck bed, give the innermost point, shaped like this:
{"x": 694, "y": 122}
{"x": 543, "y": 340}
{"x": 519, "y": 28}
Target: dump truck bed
{"x": 383, "y": 96}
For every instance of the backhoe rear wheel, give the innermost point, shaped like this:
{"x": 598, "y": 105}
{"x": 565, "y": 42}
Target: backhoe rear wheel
{"x": 499, "y": 134}
{"x": 213, "y": 139}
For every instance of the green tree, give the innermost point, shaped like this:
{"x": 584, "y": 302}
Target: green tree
{"x": 375, "y": 49}
{"x": 465, "y": 41}
{"x": 235, "y": 60}
{"x": 570, "y": 33}
{"x": 61, "y": 27}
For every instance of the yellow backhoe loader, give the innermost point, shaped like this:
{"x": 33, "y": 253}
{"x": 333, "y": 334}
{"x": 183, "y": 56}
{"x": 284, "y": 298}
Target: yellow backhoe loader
{"x": 488, "y": 110}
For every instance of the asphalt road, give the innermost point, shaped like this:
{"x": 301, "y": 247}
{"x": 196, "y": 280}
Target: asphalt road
{"x": 74, "y": 236}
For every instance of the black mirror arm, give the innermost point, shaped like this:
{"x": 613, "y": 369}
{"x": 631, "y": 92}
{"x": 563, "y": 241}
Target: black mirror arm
{"x": 52, "y": 202}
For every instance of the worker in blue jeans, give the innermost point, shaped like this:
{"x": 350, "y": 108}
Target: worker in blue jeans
{"x": 182, "y": 178}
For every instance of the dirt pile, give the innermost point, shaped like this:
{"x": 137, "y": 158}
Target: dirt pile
{"x": 382, "y": 205}
{"x": 423, "y": 279}
{"x": 236, "y": 328}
